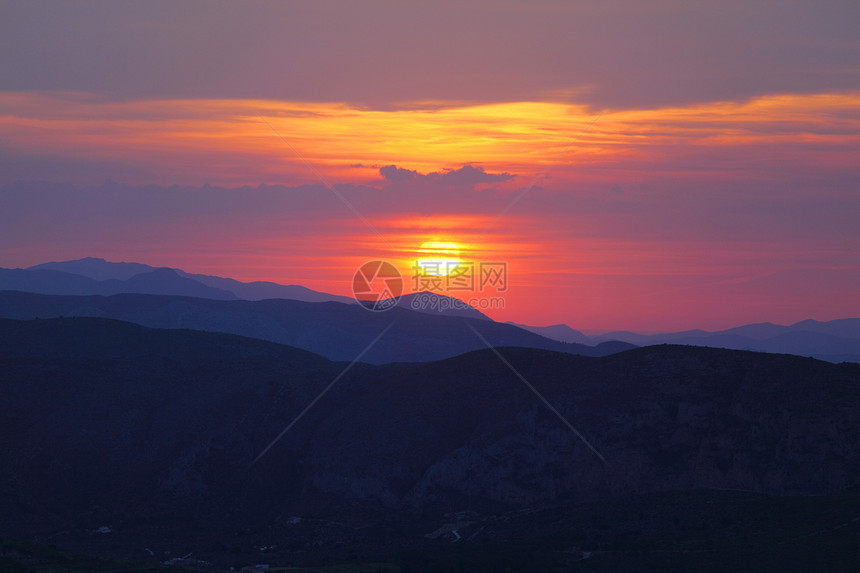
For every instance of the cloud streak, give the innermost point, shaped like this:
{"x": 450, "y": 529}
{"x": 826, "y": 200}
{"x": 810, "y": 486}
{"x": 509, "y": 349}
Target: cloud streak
{"x": 223, "y": 141}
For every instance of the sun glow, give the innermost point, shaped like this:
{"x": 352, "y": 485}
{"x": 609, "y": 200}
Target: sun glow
{"x": 438, "y": 258}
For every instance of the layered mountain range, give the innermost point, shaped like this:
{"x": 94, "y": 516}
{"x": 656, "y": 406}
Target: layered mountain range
{"x": 156, "y": 432}
{"x": 834, "y": 341}
{"x": 153, "y": 414}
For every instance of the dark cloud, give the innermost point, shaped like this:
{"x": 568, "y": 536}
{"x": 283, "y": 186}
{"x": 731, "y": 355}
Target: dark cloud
{"x": 469, "y": 176}
{"x": 394, "y": 174}
{"x": 466, "y": 176}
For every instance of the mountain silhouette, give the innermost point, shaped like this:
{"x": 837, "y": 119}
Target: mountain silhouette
{"x": 434, "y": 303}
{"x": 156, "y": 281}
{"x": 834, "y": 341}
{"x": 101, "y": 270}
{"x": 156, "y": 431}
{"x": 96, "y": 268}
{"x": 165, "y": 281}
{"x": 331, "y": 329}
{"x": 560, "y": 332}
{"x": 47, "y": 281}
{"x": 261, "y": 290}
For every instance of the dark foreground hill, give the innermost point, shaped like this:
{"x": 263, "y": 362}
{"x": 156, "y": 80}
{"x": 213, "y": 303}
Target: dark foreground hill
{"x": 697, "y": 531}
{"x": 151, "y": 435}
{"x": 331, "y": 329}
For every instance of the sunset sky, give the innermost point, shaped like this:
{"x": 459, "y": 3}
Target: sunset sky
{"x": 639, "y": 165}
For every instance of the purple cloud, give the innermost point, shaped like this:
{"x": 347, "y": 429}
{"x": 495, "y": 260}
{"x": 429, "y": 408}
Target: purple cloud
{"x": 466, "y": 176}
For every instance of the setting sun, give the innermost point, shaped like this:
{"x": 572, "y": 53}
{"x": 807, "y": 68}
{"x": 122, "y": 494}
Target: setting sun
{"x": 438, "y": 258}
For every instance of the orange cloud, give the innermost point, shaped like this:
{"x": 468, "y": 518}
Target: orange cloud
{"x": 228, "y": 142}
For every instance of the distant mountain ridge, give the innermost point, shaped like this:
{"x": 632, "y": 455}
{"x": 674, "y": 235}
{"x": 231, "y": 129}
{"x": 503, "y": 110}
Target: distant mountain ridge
{"x": 561, "y": 332}
{"x": 834, "y": 340}
{"x": 96, "y": 268}
{"x": 433, "y": 303}
{"x": 101, "y": 270}
{"x": 156, "y": 281}
{"x": 262, "y": 290}
{"x": 331, "y": 329}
